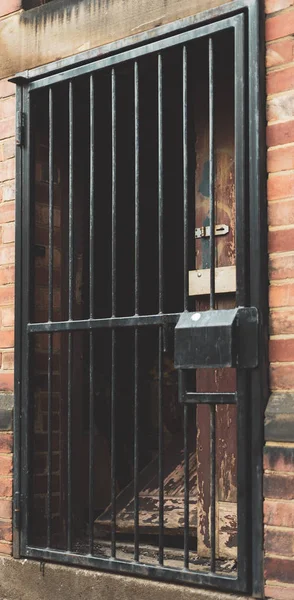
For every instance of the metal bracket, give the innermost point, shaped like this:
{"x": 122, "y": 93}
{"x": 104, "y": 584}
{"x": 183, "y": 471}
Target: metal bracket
{"x": 217, "y": 338}
{"x": 204, "y": 232}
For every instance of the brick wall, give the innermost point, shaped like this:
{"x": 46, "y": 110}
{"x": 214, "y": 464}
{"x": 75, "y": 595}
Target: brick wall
{"x": 7, "y": 217}
{"x": 279, "y": 430}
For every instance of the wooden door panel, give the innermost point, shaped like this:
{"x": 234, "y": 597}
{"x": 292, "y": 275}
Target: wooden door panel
{"x": 216, "y": 380}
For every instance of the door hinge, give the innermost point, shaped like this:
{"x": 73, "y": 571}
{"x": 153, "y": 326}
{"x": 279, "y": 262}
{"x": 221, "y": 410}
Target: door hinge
{"x": 16, "y": 511}
{"x": 203, "y": 232}
{"x": 20, "y": 128}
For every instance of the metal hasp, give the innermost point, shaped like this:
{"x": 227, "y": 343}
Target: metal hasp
{"x": 217, "y": 338}
{"x": 204, "y": 232}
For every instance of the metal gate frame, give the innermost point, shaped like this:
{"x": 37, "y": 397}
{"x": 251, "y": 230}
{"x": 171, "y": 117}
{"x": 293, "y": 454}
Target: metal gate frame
{"x": 250, "y": 543}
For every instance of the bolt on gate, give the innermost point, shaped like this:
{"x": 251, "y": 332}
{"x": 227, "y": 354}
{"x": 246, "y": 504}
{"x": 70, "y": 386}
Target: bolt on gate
{"x": 141, "y": 305}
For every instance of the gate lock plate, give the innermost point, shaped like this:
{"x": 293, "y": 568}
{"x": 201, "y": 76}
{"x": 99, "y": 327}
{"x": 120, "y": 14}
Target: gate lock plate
{"x": 217, "y": 338}
{"x": 204, "y": 232}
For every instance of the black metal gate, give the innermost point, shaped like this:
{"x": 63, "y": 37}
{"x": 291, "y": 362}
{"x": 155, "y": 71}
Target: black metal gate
{"x": 105, "y": 243}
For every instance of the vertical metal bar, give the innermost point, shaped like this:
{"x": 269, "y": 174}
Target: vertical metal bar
{"x": 113, "y": 312}
{"x": 91, "y": 312}
{"x": 182, "y": 378}
{"x": 24, "y": 213}
{"x": 243, "y": 434}
{"x": 212, "y": 488}
{"x": 211, "y": 173}
{"x": 136, "y": 348}
{"x": 160, "y": 308}
{"x": 70, "y": 204}
{"x": 186, "y": 488}
{"x": 212, "y": 293}
{"x": 70, "y": 306}
{"x": 50, "y": 315}
{"x": 239, "y": 127}
{"x": 19, "y": 334}
{"x": 258, "y": 273}
{"x": 185, "y": 173}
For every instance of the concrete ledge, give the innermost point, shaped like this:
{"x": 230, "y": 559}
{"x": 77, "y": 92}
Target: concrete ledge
{"x": 30, "y": 580}
{"x": 6, "y": 411}
{"x": 279, "y": 418}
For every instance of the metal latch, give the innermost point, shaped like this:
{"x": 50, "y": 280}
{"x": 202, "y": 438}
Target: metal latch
{"x": 204, "y": 232}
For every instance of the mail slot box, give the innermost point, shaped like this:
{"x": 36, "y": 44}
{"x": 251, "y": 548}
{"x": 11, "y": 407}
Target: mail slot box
{"x": 216, "y": 338}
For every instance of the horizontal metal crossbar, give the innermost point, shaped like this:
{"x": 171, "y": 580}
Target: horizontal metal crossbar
{"x": 111, "y": 323}
{"x": 213, "y": 398}
{"x": 163, "y": 573}
{"x": 134, "y": 54}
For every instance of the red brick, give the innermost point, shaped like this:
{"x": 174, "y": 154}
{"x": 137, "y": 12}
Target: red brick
{"x": 280, "y": 186}
{"x": 279, "y": 53}
{"x": 7, "y": 274}
{"x": 7, "y": 107}
{"x": 7, "y": 255}
{"x": 280, "y": 213}
{"x": 6, "y": 88}
{"x": 280, "y": 133}
{"x": 7, "y": 360}
{"x": 7, "y": 169}
{"x": 282, "y": 322}
{"x": 282, "y": 378}
{"x": 7, "y": 212}
{"x": 272, "y": 6}
{"x": 9, "y": 6}
{"x": 5, "y": 464}
{"x": 281, "y": 240}
{"x": 7, "y": 191}
{"x": 280, "y": 25}
{"x": 42, "y": 215}
{"x": 279, "y": 458}
{"x": 6, "y": 548}
{"x": 6, "y": 294}
{"x": 6, "y": 381}
{"x": 280, "y": 159}
{"x": 281, "y": 295}
{"x": 280, "y": 569}
{"x": 6, "y": 442}
{"x": 8, "y": 316}
{"x": 279, "y": 486}
{"x": 281, "y": 266}
{"x": 5, "y": 509}
{"x": 6, "y": 339}
{"x": 281, "y": 350}
{"x": 7, "y": 149}
{"x": 280, "y": 107}
{"x": 6, "y": 531}
{"x": 279, "y": 513}
{"x": 280, "y": 81}
{"x": 279, "y": 542}
{"x": 8, "y": 233}
{"x": 7, "y": 128}
{"x": 278, "y": 592}
{"x": 5, "y": 487}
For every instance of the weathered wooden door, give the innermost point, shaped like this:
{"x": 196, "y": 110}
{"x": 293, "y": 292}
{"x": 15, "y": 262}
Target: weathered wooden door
{"x": 216, "y": 380}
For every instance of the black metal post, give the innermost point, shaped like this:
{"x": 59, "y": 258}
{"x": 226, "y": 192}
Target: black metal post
{"x": 113, "y": 332}
{"x": 91, "y": 310}
{"x": 160, "y": 310}
{"x": 136, "y": 347}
